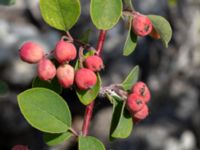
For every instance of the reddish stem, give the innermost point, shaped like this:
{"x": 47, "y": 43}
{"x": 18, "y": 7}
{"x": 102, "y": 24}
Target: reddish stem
{"x": 90, "y": 107}
{"x": 101, "y": 40}
{"x": 87, "y": 118}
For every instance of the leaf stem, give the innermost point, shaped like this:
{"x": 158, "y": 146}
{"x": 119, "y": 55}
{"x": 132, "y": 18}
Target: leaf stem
{"x": 90, "y": 107}
{"x": 73, "y": 131}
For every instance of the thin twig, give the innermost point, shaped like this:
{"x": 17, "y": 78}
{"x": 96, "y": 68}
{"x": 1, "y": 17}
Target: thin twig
{"x": 81, "y": 57}
{"x": 90, "y": 107}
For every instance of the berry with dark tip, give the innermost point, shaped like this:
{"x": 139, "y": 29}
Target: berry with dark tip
{"x": 141, "y": 89}
{"x": 94, "y": 63}
{"x": 85, "y": 79}
{"x": 141, "y": 24}
{"x": 134, "y": 103}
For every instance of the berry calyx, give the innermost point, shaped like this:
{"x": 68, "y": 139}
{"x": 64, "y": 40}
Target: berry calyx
{"x": 134, "y": 103}
{"x": 31, "y": 52}
{"x": 94, "y": 63}
{"x": 142, "y": 114}
{"x": 154, "y": 34}
{"x": 85, "y": 79}
{"x": 141, "y": 24}
{"x": 65, "y": 75}
{"x": 141, "y": 89}
{"x": 46, "y": 69}
{"x": 65, "y": 51}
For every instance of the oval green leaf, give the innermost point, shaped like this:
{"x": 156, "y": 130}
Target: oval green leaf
{"x": 60, "y": 14}
{"x": 57, "y": 138}
{"x": 45, "y": 110}
{"x": 163, "y": 27}
{"x": 105, "y": 14}
{"x": 89, "y": 143}
{"x": 121, "y": 124}
{"x": 131, "y": 42}
{"x": 52, "y": 85}
{"x": 131, "y": 78}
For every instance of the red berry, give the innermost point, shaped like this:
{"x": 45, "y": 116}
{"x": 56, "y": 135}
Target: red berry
{"x": 20, "y": 147}
{"x": 134, "y": 103}
{"x": 46, "y": 69}
{"x": 85, "y": 79}
{"x": 142, "y": 25}
{"x": 141, "y": 89}
{"x": 31, "y": 52}
{"x": 94, "y": 63}
{"x": 154, "y": 34}
{"x": 65, "y": 51}
{"x": 65, "y": 75}
{"x": 142, "y": 114}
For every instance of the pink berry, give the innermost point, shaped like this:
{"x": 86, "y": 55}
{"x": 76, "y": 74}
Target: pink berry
{"x": 141, "y": 89}
{"x": 20, "y": 147}
{"x": 134, "y": 103}
{"x": 142, "y": 25}
{"x": 65, "y": 75}
{"x": 142, "y": 114}
{"x": 65, "y": 51}
{"x": 94, "y": 63}
{"x": 31, "y": 52}
{"x": 85, "y": 79}
{"x": 46, "y": 69}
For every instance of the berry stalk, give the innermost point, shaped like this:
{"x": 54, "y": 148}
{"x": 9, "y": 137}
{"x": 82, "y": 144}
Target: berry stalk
{"x": 90, "y": 107}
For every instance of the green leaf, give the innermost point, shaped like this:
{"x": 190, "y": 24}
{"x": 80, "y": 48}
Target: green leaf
{"x": 56, "y": 138}
{"x": 7, "y": 2}
{"x": 86, "y": 97}
{"x": 89, "y": 143}
{"x": 52, "y": 85}
{"x": 60, "y": 14}
{"x": 121, "y": 124}
{"x": 131, "y": 78}
{"x": 131, "y": 42}
{"x": 105, "y": 14}
{"x": 45, "y": 110}
{"x": 163, "y": 27}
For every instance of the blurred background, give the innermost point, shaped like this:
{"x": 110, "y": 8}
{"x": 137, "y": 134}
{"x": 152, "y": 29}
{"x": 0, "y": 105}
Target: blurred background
{"x": 173, "y": 75}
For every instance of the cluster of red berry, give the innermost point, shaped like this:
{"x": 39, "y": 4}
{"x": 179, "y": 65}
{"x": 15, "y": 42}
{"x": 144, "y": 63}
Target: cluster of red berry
{"x": 64, "y": 52}
{"x": 137, "y": 101}
{"x": 142, "y": 26}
